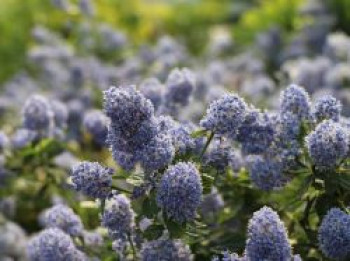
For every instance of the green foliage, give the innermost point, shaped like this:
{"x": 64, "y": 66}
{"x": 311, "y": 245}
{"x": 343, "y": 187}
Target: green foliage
{"x": 283, "y": 13}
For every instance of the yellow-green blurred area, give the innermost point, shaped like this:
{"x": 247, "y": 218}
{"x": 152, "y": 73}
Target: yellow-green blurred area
{"x": 145, "y": 20}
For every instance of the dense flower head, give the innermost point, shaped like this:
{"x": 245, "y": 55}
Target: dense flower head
{"x": 60, "y": 113}
{"x": 294, "y": 99}
{"x": 126, "y": 160}
{"x": 96, "y": 123}
{"x": 22, "y": 138}
{"x": 37, "y": 114}
{"x": 165, "y": 249}
{"x": 266, "y": 174}
{"x": 327, "y": 144}
{"x": 152, "y": 89}
{"x": 334, "y": 235}
{"x": 225, "y": 115}
{"x": 327, "y": 107}
{"x": 12, "y": 240}
{"x": 181, "y": 135}
{"x": 158, "y": 153}
{"x": 51, "y": 244}
{"x": 180, "y": 85}
{"x": 267, "y": 237}
{"x": 127, "y": 107}
{"x": 118, "y": 217}
{"x": 212, "y": 202}
{"x": 289, "y": 126}
{"x": 256, "y": 132}
{"x": 92, "y": 179}
{"x": 180, "y": 191}
{"x": 92, "y": 239}
{"x": 131, "y": 141}
{"x": 63, "y": 217}
{"x": 219, "y": 156}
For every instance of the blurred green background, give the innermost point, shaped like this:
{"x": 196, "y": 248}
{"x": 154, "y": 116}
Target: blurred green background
{"x": 144, "y": 20}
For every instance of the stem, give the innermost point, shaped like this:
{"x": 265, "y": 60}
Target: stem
{"x": 121, "y": 189}
{"x": 211, "y": 136}
{"x": 304, "y": 222}
{"x": 132, "y": 247}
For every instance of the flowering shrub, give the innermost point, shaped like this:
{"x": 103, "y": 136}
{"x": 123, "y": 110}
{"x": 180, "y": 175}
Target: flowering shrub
{"x": 147, "y": 159}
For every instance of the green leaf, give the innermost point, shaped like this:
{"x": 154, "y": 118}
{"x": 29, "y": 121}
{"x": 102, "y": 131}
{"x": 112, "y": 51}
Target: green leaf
{"x": 135, "y": 179}
{"x": 175, "y": 229}
{"x": 153, "y": 232}
{"x": 343, "y": 180}
{"x": 199, "y": 133}
{"x": 207, "y": 182}
{"x": 149, "y": 207}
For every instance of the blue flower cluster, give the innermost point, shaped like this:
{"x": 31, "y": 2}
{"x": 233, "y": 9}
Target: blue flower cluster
{"x": 267, "y": 237}
{"x": 134, "y": 135}
{"x": 37, "y": 114}
{"x": 266, "y": 174}
{"x": 63, "y": 217}
{"x": 180, "y": 192}
{"x": 225, "y": 115}
{"x": 165, "y": 249}
{"x": 219, "y": 156}
{"x": 43, "y": 118}
{"x": 96, "y": 123}
{"x": 53, "y": 244}
{"x": 327, "y": 108}
{"x": 334, "y": 235}
{"x": 296, "y": 100}
{"x": 327, "y": 145}
{"x": 92, "y": 179}
{"x": 179, "y": 87}
{"x": 118, "y": 217}
{"x": 153, "y": 90}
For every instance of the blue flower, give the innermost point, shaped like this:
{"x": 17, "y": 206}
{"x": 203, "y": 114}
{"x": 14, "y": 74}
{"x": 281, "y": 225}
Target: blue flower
{"x": 294, "y": 99}
{"x": 327, "y": 108}
{"x": 334, "y": 234}
{"x": 22, "y": 138}
{"x": 267, "y": 237}
{"x": 180, "y": 191}
{"x": 158, "y": 153}
{"x": 37, "y": 114}
{"x": 212, "y": 203}
{"x": 153, "y": 90}
{"x": 63, "y": 217}
{"x": 219, "y": 156}
{"x": 165, "y": 249}
{"x": 256, "y": 132}
{"x": 127, "y": 107}
{"x": 225, "y": 115}
{"x": 96, "y": 123}
{"x": 92, "y": 179}
{"x": 180, "y": 85}
{"x": 266, "y": 174}
{"x": 13, "y": 241}
{"x": 118, "y": 217}
{"x": 92, "y": 239}
{"x": 51, "y": 244}
{"x": 327, "y": 145}
{"x": 60, "y": 113}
